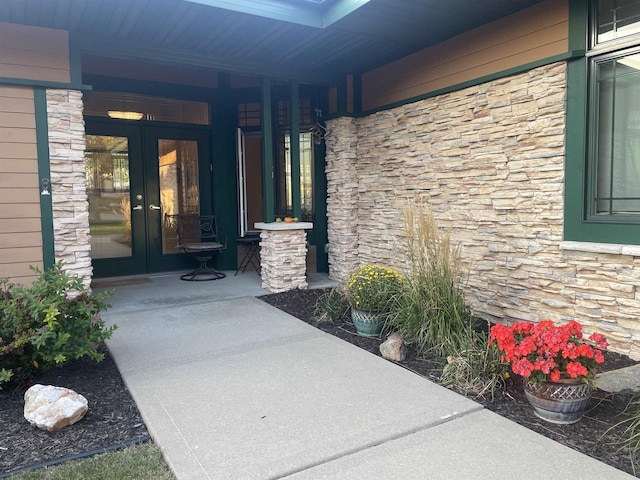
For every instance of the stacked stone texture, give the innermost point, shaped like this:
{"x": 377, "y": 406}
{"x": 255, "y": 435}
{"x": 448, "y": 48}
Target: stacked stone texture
{"x": 68, "y": 182}
{"x": 489, "y": 161}
{"x": 283, "y": 260}
{"x": 342, "y": 197}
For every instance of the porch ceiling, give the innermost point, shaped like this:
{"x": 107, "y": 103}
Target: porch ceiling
{"x": 280, "y": 41}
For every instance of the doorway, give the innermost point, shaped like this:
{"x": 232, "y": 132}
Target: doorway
{"x": 137, "y": 176}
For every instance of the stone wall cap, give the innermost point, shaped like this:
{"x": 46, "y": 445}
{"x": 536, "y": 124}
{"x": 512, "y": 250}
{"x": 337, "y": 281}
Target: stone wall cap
{"x": 284, "y": 226}
{"x": 593, "y": 247}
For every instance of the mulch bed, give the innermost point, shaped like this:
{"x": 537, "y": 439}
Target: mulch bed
{"x": 113, "y": 418}
{"x": 587, "y": 436}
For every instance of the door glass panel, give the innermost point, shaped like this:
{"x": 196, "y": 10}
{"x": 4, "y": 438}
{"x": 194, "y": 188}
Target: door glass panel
{"x": 249, "y": 181}
{"x": 283, "y": 185}
{"x": 179, "y": 185}
{"x": 107, "y": 172}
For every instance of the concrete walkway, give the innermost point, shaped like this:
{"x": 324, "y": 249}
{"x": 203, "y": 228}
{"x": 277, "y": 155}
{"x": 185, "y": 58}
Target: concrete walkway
{"x": 232, "y": 388}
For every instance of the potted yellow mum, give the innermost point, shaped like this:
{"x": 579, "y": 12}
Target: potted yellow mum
{"x": 370, "y": 290}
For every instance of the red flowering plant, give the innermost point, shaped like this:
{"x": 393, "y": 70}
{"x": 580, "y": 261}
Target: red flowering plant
{"x": 546, "y": 352}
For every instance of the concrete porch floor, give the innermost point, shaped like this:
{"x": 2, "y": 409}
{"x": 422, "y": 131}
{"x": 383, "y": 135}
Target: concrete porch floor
{"x": 232, "y": 388}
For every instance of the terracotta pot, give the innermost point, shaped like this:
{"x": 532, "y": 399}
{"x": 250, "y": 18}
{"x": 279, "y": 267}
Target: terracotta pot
{"x": 560, "y": 402}
{"x": 368, "y": 324}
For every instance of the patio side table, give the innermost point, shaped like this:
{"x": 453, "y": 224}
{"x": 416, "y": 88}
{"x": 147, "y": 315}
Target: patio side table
{"x": 250, "y": 246}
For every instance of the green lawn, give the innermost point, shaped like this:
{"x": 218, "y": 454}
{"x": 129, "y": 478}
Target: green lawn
{"x": 137, "y": 462}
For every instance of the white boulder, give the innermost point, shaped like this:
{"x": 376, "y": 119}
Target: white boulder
{"x": 52, "y": 408}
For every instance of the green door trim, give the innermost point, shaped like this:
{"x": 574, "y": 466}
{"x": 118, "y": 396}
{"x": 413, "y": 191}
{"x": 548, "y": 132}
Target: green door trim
{"x": 44, "y": 175}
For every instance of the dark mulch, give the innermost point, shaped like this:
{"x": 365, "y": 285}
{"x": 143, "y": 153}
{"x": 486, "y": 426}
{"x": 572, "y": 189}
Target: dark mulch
{"x": 587, "y": 436}
{"x": 113, "y": 418}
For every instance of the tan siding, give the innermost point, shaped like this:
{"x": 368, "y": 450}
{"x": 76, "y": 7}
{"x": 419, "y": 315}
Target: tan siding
{"x": 17, "y": 272}
{"x": 533, "y": 34}
{"x": 19, "y": 195}
{"x": 34, "y": 53}
{"x": 18, "y": 225}
{"x": 11, "y": 240}
{"x": 20, "y": 120}
{"x": 17, "y": 164}
{"x": 8, "y": 92}
{"x": 16, "y": 105}
{"x": 20, "y": 210}
{"x": 32, "y": 256}
{"x": 22, "y": 151}
{"x": 20, "y": 232}
{"x": 18, "y": 180}
{"x": 16, "y": 135}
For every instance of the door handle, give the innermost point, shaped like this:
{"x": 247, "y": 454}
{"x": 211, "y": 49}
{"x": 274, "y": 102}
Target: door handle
{"x": 137, "y": 207}
{"x": 153, "y": 207}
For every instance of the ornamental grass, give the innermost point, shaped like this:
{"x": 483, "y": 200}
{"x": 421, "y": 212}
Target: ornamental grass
{"x": 431, "y": 312}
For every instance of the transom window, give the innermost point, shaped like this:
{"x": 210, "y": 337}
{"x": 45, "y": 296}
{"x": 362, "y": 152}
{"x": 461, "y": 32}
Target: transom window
{"x": 617, "y": 18}
{"x": 134, "y": 107}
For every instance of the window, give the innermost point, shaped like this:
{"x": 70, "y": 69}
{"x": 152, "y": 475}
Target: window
{"x": 283, "y": 183}
{"x": 133, "y": 107}
{"x": 614, "y": 115}
{"x": 249, "y": 115}
{"x": 617, "y": 141}
{"x": 616, "y": 19}
{"x": 602, "y": 163}
{"x": 285, "y": 199}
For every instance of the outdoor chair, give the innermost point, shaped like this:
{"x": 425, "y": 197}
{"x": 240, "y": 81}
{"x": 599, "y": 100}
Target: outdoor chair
{"x": 199, "y": 238}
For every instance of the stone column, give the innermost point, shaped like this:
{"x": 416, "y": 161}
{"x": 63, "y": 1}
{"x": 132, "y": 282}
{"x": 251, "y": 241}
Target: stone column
{"x": 342, "y": 197}
{"x": 283, "y": 255}
{"x": 68, "y": 182}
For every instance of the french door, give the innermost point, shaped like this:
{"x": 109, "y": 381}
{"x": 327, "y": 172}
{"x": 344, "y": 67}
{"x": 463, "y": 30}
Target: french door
{"x": 137, "y": 177}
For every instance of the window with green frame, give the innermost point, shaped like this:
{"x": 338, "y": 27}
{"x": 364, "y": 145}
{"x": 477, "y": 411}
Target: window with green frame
{"x": 609, "y": 78}
{"x": 614, "y": 147}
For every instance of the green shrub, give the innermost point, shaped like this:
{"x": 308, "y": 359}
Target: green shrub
{"x": 331, "y": 306}
{"x": 48, "y": 323}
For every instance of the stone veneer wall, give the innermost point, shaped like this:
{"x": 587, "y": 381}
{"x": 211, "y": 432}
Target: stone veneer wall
{"x": 283, "y": 260}
{"x": 342, "y": 197}
{"x": 68, "y": 182}
{"x": 489, "y": 161}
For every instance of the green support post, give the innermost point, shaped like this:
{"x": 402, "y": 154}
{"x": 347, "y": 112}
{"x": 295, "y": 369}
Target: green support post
{"x": 294, "y": 153}
{"x": 267, "y": 153}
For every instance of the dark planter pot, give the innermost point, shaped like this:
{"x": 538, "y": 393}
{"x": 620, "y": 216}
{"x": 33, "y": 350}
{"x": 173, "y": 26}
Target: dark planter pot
{"x": 368, "y": 324}
{"x": 560, "y": 402}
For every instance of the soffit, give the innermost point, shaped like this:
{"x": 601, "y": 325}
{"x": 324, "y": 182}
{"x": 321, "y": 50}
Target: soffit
{"x": 198, "y": 33}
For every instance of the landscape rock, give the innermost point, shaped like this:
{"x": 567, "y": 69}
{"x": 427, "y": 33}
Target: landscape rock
{"x": 53, "y": 408}
{"x": 393, "y": 348}
{"x": 623, "y": 380}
